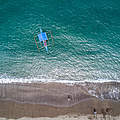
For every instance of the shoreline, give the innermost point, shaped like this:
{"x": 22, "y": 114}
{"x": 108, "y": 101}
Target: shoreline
{"x": 36, "y": 80}
{"x": 53, "y": 99}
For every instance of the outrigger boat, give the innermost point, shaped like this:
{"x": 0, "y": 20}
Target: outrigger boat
{"x": 43, "y": 40}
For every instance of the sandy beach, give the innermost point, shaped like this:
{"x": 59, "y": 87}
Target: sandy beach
{"x": 69, "y": 117}
{"x": 51, "y": 100}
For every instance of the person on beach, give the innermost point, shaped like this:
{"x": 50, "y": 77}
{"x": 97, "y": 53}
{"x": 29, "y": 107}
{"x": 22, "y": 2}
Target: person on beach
{"x": 69, "y": 98}
{"x": 95, "y": 113}
{"x": 103, "y": 111}
{"x": 109, "y": 112}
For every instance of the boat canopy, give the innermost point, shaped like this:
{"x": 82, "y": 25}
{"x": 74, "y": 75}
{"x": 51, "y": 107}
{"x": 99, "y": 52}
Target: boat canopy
{"x": 42, "y": 36}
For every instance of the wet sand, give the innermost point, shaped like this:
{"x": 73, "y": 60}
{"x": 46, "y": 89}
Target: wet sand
{"x": 53, "y": 99}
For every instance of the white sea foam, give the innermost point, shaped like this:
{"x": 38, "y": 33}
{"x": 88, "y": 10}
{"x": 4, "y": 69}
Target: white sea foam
{"x": 30, "y": 80}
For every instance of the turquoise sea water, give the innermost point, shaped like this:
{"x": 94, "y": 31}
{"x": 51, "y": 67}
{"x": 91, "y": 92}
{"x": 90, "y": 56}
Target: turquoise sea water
{"x": 86, "y": 40}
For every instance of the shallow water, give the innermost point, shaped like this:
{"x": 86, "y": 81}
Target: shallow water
{"x": 86, "y": 40}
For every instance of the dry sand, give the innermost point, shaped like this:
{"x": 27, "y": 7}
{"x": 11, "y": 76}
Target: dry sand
{"x": 67, "y": 117}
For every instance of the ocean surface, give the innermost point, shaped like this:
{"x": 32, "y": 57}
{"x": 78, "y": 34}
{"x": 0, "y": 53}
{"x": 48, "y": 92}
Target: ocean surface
{"x": 86, "y": 40}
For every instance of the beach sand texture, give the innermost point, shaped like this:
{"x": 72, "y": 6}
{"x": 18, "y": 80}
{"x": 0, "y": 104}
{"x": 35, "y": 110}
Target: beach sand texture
{"x": 66, "y": 117}
{"x": 53, "y": 100}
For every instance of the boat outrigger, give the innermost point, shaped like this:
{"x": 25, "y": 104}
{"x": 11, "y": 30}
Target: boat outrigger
{"x": 43, "y": 38}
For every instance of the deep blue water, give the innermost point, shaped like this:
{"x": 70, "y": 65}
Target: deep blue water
{"x": 86, "y": 40}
